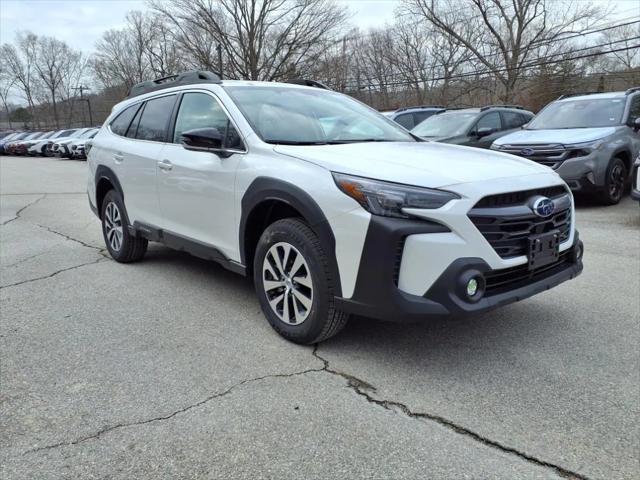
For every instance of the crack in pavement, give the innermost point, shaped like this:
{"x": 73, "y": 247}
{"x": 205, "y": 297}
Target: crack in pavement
{"x": 52, "y": 274}
{"x": 19, "y": 212}
{"x": 361, "y": 388}
{"x": 111, "y": 428}
{"x": 101, "y": 251}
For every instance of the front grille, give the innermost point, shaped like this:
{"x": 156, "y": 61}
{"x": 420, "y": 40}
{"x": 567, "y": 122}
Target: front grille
{"x": 499, "y": 281}
{"x": 551, "y": 155}
{"x": 519, "y": 198}
{"x": 507, "y": 226}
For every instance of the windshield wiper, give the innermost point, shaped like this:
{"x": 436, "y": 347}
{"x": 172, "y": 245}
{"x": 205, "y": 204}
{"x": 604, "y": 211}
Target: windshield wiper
{"x": 360, "y": 140}
{"x": 293, "y": 142}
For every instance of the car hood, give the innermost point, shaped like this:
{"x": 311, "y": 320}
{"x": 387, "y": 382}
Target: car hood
{"x": 565, "y": 136}
{"x": 426, "y": 164}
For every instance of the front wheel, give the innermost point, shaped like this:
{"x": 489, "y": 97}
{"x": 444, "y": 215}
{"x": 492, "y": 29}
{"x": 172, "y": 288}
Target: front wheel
{"x": 294, "y": 283}
{"x": 122, "y": 246}
{"x": 614, "y": 182}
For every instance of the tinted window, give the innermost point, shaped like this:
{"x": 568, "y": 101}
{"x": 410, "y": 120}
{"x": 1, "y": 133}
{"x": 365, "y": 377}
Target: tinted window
{"x": 512, "y": 120}
{"x": 199, "y": 110}
{"x": 120, "y": 124}
{"x": 133, "y": 128}
{"x": 406, "y": 120}
{"x": 155, "y": 119}
{"x": 490, "y": 120}
{"x": 634, "y": 110}
{"x": 420, "y": 117}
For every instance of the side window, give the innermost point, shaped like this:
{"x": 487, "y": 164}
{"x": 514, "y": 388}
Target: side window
{"x": 120, "y": 124}
{"x": 420, "y": 117}
{"x": 200, "y": 110}
{"x": 155, "y": 119}
{"x": 634, "y": 109}
{"x": 133, "y": 128}
{"x": 512, "y": 120}
{"x": 490, "y": 120}
{"x": 406, "y": 120}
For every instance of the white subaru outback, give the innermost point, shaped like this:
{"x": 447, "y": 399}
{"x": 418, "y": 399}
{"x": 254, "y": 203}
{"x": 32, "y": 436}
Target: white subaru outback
{"x": 331, "y": 207}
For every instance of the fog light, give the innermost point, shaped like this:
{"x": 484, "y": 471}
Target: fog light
{"x": 472, "y": 287}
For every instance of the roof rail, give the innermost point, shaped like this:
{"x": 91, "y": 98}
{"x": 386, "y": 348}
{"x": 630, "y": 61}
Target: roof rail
{"x": 576, "y": 94}
{"x": 184, "y": 78}
{"x": 487, "y": 107}
{"x": 420, "y": 106}
{"x": 307, "y": 83}
{"x": 632, "y": 90}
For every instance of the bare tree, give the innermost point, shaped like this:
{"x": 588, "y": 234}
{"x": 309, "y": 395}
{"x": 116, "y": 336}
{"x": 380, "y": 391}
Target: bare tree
{"x": 7, "y": 83}
{"x": 20, "y": 61}
{"x": 261, "y": 39}
{"x": 516, "y": 29}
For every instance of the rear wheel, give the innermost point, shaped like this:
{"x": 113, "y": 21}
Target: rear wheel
{"x": 294, "y": 283}
{"x": 122, "y": 246}
{"x": 614, "y": 182}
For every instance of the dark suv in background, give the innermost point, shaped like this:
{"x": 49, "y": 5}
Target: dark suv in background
{"x": 411, "y": 116}
{"x": 473, "y": 127}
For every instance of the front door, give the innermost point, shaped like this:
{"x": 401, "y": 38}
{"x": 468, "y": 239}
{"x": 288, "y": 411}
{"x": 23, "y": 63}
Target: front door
{"x": 196, "y": 189}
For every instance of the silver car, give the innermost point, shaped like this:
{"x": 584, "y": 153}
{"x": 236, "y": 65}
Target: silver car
{"x": 590, "y": 140}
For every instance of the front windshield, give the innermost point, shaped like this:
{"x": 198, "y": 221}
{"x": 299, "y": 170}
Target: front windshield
{"x": 66, "y": 133}
{"x": 88, "y": 134}
{"x": 301, "y": 116}
{"x": 33, "y": 136}
{"x": 591, "y": 113}
{"x": 445, "y": 124}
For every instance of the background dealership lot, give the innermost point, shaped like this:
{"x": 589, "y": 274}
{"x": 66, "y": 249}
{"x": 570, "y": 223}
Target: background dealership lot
{"x": 167, "y": 368}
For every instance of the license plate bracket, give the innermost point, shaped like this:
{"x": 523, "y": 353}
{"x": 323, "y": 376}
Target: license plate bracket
{"x": 544, "y": 249}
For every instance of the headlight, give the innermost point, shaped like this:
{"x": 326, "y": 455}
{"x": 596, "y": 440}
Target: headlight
{"x": 584, "y": 149}
{"x": 388, "y": 199}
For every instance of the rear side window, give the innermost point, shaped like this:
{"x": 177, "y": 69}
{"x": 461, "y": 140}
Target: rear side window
{"x": 490, "y": 120}
{"x": 406, "y": 120}
{"x": 512, "y": 120}
{"x": 419, "y": 117}
{"x": 155, "y": 119}
{"x": 120, "y": 124}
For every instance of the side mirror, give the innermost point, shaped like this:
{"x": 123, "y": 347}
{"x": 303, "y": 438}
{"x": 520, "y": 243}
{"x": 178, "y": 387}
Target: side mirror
{"x": 636, "y": 124}
{"x": 484, "y": 132}
{"x": 524, "y": 126}
{"x": 202, "y": 139}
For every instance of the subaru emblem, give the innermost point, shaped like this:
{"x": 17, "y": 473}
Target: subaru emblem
{"x": 527, "y": 152}
{"x": 543, "y": 207}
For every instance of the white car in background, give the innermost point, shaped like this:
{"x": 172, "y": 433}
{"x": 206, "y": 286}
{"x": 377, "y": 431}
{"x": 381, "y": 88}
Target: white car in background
{"x": 77, "y": 146}
{"x": 40, "y": 147}
{"x": 60, "y": 148}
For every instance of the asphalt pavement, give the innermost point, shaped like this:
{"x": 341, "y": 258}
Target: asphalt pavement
{"x": 167, "y": 369}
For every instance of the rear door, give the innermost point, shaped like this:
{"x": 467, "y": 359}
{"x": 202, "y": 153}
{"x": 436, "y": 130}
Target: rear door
{"x": 196, "y": 188}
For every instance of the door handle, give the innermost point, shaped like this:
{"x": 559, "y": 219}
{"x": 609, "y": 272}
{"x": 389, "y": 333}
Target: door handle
{"x": 165, "y": 165}
{"x": 118, "y": 157}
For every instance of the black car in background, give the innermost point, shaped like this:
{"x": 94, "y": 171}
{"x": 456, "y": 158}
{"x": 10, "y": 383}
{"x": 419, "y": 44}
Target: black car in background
{"x": 474, "y": 127}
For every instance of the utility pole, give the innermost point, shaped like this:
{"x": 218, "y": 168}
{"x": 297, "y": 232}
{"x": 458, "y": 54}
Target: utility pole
{"x": 82, "y": 88}
{"x": 219, "y": 49}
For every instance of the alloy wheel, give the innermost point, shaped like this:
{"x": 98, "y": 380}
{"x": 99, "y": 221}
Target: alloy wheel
{"x": 616, "y": 181}
{"x": 113, "y": 226}
{"x": 287, "y": 283}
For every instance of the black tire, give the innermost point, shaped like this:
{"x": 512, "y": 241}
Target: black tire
{"x": 615, "y": 182}
{"x": 128, "y": 248}
{"x": 322, "y": 319}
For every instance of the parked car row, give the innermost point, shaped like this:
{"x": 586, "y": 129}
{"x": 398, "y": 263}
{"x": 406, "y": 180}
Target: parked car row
{"x": 590, "y": 140}
{"x": 65, "y": 143}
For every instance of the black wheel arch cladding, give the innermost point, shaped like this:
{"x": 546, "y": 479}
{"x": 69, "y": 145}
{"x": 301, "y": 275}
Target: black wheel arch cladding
{"x": 264, "y": 189}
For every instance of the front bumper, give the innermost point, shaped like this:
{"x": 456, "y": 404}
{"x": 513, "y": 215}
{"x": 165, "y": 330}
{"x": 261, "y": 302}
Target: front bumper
{"x": 635, "y": 186}
{"x": 446, "y": 297}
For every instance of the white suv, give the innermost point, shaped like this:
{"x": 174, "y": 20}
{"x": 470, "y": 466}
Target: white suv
{"x": 332, "y": 208}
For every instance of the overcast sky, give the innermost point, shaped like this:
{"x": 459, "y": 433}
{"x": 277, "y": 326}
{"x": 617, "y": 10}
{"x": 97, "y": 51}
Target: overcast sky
{"x": 81, "y": 22}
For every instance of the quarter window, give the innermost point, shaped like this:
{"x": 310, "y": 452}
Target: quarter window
{"x": 406, "y": 120}
{"x": 120, "y": 124}
{"x": 199, "y": 110}
{"x": 155, "y": 119}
